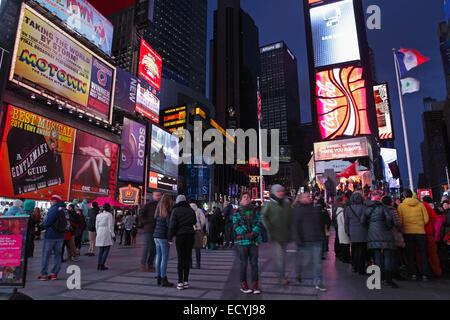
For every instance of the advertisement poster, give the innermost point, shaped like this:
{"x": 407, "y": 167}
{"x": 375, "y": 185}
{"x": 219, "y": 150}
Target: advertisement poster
{"x": 147, "y": 102}
{"x": 129, "y": 196}
{"x": 94, "y": 167}
{"x": 341, "y": 103}
{"x": 100, "y": 92}
{"x": 334, "y": 33}
{"x": 13, "y": 233}
{"x": 126, "y": 90}
{"x": 198, "y": 181}
{"x": 132, "y": 153}
{"x": 82, "y": 17}
{"x": 162, "y": 182}
{"x": 164, "y": 153}
{"x": 47, "y": 58}
{"x": 383, "y": 107}
{"x": 349, "y": 148}
{"x": 150, "y": 65}
{"x": 424, "y": 193}
{"x": 35, "y": 156}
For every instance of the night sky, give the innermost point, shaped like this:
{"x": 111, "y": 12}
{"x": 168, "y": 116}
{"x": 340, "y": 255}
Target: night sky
{"x": 404, "y": 23}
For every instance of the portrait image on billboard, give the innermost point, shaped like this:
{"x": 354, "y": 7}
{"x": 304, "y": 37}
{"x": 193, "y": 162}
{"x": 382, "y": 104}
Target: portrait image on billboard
{"x": 46, "y": 58}
{"x": 125, "y": 92}
{"x": 384, "y": 115}
{"x": 334, "y": 33}
{"x": 35, "y": 156}
{"x": 94, "y": 167}
{"x": 150, "y": 65}
{"x": 164, "y": 152}
{"x": 132, "y": 152}
{"x": 147, "y": 101}
{"x": 82, "y": 17}
{"x": 341, "y": 103}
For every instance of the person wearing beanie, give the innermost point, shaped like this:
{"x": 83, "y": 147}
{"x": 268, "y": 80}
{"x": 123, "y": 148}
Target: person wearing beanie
{"x": 16, "y": 209}
{"x": 104, "y": 227}
{"x": 276, "y": 217}
{"x": 28, "y": 208}
{"x": 54, "y": 239}
{"x": 90, "y": 223}
{"x": 181, "y": 225}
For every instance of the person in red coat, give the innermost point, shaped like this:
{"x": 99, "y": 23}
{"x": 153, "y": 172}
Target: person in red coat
{"x": 433, "y": 257}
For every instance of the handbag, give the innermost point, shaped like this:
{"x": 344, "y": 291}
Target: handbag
{"x": 198, "y": 239}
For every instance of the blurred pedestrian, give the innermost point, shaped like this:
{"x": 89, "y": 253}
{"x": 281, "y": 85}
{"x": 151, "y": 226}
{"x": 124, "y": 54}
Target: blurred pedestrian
{"x": 147, "y": 220}
{"x": 90, "y": 223}
{"x": 198, "y": 236}
{"x": 228, "y": 213}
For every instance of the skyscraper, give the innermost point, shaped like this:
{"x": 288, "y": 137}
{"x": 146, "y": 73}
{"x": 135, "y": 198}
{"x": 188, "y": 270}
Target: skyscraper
{"x": 235, "y": 66}
{"x": 279, "y": 91}
{"x": 175, "y": 29}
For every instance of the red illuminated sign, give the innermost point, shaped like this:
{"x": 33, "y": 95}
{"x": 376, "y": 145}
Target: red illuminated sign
{"x": 384, "y": 116}
{"x": 150, "y": 65}
{"x": 341, "y": 103}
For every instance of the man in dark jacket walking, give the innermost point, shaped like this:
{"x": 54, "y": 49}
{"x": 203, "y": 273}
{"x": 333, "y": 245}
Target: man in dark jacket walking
{"x": 228, "y": 212}
{"x": 92, "y": 215}
{"x": 379, "y": 222}
{"x": 309, "y": 232}
{"x": 54, "y": 239}
{"x": 147, "y": 219}
{"x": 181, "y": 225}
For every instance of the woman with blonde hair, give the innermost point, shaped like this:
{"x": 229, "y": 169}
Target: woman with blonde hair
{"x": 162, "y": 216}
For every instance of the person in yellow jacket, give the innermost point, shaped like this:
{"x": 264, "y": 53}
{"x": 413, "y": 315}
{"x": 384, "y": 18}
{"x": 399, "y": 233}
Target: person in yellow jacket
{"x": 413, "y": 216}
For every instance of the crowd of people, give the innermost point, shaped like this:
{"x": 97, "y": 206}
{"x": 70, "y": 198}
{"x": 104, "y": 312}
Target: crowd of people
{"x": 406, "y": 237}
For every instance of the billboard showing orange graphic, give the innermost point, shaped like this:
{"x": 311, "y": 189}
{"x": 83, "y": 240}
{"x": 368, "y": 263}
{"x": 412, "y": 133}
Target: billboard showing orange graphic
{"x": 36, "y": 156}
{"x": 341, "y": 103}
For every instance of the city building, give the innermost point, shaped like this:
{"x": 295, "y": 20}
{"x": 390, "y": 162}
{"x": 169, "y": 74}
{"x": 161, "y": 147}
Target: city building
{"x": 234, "y": 66}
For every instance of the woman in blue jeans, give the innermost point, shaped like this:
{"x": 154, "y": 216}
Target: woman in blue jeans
{"x": 104, "y": 226}
{"x": 162, "y": 216}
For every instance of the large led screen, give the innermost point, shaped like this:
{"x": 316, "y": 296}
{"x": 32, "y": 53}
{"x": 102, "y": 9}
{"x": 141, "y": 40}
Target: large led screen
{"x": 341, "y": 103}
{"x": 132, "y": 152}
{"x": 147, "y": 101}
{"x": 150, "y": 65}
{"x": 81, "y": 16}
{"x": 126, "y": 90}
{"x": 94, "y": 168}
{"x": 35, "y": 156}
{"x": 45, "y": 57}
{"x": 334, "y": 33}
{"x": 164, "y": 152}
{"x": 383, "y": 107}
{"x": 342, "y": 149}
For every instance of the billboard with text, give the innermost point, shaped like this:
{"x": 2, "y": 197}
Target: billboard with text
{"x": 342, "y": 149}
{"x": 384, "y": 115}
{"x": 132, "y": 152}
{"x": 46, "y": 58}
{"x": 126, "y": 90}
{"x": 150, "y": 65}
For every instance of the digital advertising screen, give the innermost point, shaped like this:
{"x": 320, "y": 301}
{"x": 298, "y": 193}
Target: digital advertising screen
{"x": 162, "y": 182}
{"x": 342, "y": 103}
{"x": 198, "y": 180}
{"x": 126, "y": 91}
{"x": 132, "y": 152}
{"x": 174, "y": 118}
{"x": 164, "y": 152}
{"x": 150, "y": 65}
{"x": 390, "y": 167}
{"x": 384, "y": 116}
{"x": 13, "y": 258}
{"x": 147, "y": 101}
{"x": 45, "y": 57}
{"x": 334, "y": 33}
{"x": 94, "y": 168}
{"x": 342, "y": 149}
{"x": 35, "y": 156}
{"x": 82, "y": 17}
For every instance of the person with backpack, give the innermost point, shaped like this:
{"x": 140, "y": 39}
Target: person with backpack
{"x": 92, "y": 215}
{"x": 56, "y": 225}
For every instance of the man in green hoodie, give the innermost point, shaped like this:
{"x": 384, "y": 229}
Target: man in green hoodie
{"x": 276, "y": 219}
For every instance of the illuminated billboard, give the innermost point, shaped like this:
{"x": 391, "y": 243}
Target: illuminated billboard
{"x": 334, "y": 33}
{"x": 390, "y": 167}
{"x": 125, "y": 93}
{"x": 150, "y": 65}
{"x": 164, "y": 153}
{"x": 132, "y": 152}
{"x": 162, "y": 182}
{"x": 384, "y": 116}
{"x": 147, "y": 101}
{"x": 342, "y": 149}
{"x": 46, "y": 58}
{"x": 35, "y": 156}
{"x": 341, "y": 103}
{"x": 175, "y": 118}
{"x": 81, "y": 16}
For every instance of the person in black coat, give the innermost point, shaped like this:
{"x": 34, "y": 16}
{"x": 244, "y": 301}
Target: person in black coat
{"x": 90, "y": 223}
{"x": 357, "y": 232}
{"x": 214, "y": 228}
{"x": 228, "y": 213}
{"x": 308, "y": 225}
{"x": 379, "y": 222}
{"x": 181, "y": 225}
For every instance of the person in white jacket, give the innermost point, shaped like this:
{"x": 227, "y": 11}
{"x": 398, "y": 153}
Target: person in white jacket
{"x": 198, "y": 238}
{"x": 344, "y": 239}
{"x": 104, "y": 226}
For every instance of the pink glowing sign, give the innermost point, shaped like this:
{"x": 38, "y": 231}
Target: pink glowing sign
{"x": 341, "y": 103}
